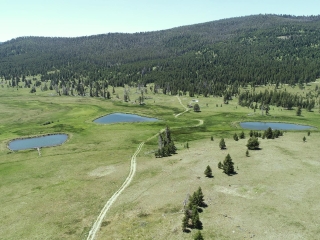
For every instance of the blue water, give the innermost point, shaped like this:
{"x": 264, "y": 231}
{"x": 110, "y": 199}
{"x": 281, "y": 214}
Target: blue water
{"x": 273, "y": 125}
{"x": 122, "y": 117}
{"x": 37, "y": 142}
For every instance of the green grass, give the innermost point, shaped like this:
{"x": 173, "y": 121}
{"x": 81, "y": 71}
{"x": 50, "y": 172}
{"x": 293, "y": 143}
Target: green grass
{"x": 63, "y": 190}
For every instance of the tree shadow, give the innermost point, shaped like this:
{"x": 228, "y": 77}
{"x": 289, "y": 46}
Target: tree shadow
{"x": 200, "y": 226}
{"x": 204, "y": 205}
{"x": 232, "y": 174}
{"x": 187, "y": 230}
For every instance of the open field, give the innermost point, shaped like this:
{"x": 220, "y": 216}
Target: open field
{"x": 60, "y": 194}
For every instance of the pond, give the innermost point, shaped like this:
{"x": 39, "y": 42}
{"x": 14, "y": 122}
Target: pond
{"x": 37, "y": 142}
{"x": 123, "y": 117}
{"x": 273, "y": 125}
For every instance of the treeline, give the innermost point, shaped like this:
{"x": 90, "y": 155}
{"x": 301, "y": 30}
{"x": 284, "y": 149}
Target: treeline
{"x": 214, "y": 58}
{"x": 277, "y": 98}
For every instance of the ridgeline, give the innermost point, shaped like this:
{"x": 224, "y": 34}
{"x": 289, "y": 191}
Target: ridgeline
{"x": 201, "y": 58}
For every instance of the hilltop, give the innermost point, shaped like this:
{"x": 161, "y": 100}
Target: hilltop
{"x": 252, "y": 49}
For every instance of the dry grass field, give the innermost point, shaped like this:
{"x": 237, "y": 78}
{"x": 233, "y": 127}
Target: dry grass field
{"x": 273, "y": 196}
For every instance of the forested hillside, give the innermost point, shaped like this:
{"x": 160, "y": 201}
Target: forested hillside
{"x": 203, "y": 58}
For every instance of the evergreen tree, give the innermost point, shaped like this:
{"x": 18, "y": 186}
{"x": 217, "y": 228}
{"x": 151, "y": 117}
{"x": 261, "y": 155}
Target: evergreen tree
{"x": 196, "y": 108}
{"x": 222, "y": 144}
{"x": 298, "y": 112}
{"x": 195, "y": 218}
{"x": 253, "y": 143}
{"x": 247, "y": 153}
{"x": 208, "y": 172}
{"x": 235, "y": 137}
{"x": 241, "y": 135}
{"x": 185, "y": 221}
{"x": 308, "y": 133}
{"x": 304, "y": 139}
{"x": 251, "y": 133}
{"x": 268, "y": 133}
{"x": 200, "y": 197}
{"x": 228, "y": 165}
{"x": 220, "y": 165}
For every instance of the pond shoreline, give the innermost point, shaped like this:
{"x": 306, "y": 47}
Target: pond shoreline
{"x": 122, "y": 115}
{"x": 38, "y": 136}
{"x": 258, "y": 125}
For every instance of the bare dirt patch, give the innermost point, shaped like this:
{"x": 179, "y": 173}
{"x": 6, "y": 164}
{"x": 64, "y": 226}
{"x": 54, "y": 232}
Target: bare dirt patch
{"x": 102, "y": 171}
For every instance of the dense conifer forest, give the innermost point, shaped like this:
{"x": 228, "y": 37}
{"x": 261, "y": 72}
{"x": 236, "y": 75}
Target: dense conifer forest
{"x": 214, "y": 58}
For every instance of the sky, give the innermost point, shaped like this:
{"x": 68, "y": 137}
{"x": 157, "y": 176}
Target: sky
{"x": 72, "y": 18}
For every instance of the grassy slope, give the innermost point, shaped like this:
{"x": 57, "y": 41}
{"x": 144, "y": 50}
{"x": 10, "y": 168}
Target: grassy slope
{"x": 59, "y": 194}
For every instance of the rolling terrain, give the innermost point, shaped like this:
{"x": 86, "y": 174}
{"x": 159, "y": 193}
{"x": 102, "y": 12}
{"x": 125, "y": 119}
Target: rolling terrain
{"x": 107, "y": 182}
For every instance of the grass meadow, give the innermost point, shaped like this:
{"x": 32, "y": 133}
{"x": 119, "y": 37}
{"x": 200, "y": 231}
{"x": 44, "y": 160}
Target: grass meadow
{"x": 59, "y": 194}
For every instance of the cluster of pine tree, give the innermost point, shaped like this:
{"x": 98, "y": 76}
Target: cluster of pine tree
{"x": 166, "y": 145}
{"x": 191, "y": 214}
{"x": 271, "y": 134}
{"x": 227, "y": 166}
{"x": 277, "y": 98}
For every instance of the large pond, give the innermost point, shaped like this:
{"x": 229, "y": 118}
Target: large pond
{"x": 273, "y": 125}
{"x": 37, "y": 142}
{"x": 123, "y": 117}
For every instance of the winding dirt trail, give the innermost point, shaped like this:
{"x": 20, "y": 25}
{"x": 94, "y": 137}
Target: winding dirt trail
{"x": 97, "y": 224}
{"x": 186, "y": 109}
{"x": 133, "y": 165}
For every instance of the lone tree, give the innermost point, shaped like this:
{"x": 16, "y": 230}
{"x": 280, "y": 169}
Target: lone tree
{"x": 253, "y": 143}
{"x": 196, "y": 108}
{"x": 208, "y": 172}
{"x": 228, "y": 165}
{"x": 247, "y": 153}
{"x": 304, "y": 139}
{"x": 241, "y": 135}
{"x": 235, "y": 137}
{"x": 222, "y": 144}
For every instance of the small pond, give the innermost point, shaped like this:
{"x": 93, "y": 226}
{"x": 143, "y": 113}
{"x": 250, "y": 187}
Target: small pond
{"x": 273, "y": 125}
{"x": 37, "y": 142}
{"x": 123, "y": 117}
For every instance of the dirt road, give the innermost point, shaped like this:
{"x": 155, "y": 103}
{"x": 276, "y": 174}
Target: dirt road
{"x": 97, "y": 224}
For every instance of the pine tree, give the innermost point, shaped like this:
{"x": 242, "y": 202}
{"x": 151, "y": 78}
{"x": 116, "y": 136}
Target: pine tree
{"x": 195, "y": 217}
{"x": 251, "y": 133}
{"x": 235, "y": 137}
{"x": 222, "y": 144}
{"x": 208, "y": 172}
{"x": 253, "y": 143}
{"x": 185, "y": 221}
{"x": 228, "y": 165}
{"x": 200, "y": 197}
{"x": 298, "y": 112}
{"x": 304, "y": 139}
{"x": 220, "y": 165}
{"x": 247, "y": 153}
{"x": 241, "y": 135}
{"x": 268, "y": 133}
